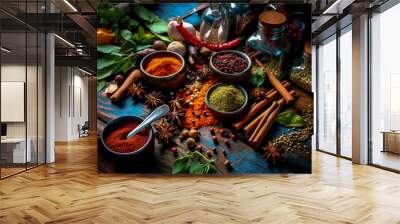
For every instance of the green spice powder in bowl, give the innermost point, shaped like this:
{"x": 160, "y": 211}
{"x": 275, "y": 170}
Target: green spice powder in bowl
{"x": 226, "y": 100}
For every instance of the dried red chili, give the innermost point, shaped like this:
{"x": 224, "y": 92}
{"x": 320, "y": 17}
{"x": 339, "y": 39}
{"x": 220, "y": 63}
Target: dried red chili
{"x": 118, "y": 142}
{"x": 199, "y": 43}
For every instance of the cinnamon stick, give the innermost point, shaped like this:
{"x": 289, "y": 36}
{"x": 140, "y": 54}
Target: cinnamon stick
{"x": 121, "y": 91}
{"x": 265, "y": 127}
{"x": 260, "y": 134}
{"x": 271, "y": 95}
{"x": 276, "y": 83}
{"x": 263, "y": 120}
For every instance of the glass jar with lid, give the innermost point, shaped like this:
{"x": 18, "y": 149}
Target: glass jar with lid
{"x": 214, "y": 27}
{"x": 270, "y": 39}
{"x": 300, "y": 74}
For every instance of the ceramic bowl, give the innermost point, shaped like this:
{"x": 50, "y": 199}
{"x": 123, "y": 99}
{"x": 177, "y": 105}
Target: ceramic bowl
{"x": 172, "y": 81}
{"x": 222, "y": 115}
{"x": 242, "y": 76}
{"x": 144, "y": 152}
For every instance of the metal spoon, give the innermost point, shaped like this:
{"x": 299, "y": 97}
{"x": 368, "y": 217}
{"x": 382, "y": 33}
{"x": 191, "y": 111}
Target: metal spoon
{"x": 155, "y": 115}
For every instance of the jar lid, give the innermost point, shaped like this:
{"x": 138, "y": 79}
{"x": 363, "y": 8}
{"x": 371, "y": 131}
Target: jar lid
{"x": 273, "y": 18}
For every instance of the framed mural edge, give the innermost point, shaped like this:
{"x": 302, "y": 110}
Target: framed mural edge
{"x": 204, "y": 88}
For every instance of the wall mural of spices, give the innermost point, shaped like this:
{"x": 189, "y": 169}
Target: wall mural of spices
{"x": 204, "y": 88}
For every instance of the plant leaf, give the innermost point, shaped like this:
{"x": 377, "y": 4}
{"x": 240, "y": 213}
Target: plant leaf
{"x": 179, "y": 165}
{"x": 106, "y": 61}
{"x": 143, "y": 13}
{"x": 126, "y": 35}
{"x": 160, "y": 26}
{"x": 258, "y": 77}
{"x": 100, "y": 85}
{"x": 107, "y": 49}
{"x": 290, "y": 119}
{"x": 162, "y": 37}
{"x": 108, "y": 71}
{"x": 196, "y": 167}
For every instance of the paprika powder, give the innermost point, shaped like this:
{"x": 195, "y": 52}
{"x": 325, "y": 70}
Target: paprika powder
{"x": 118, "y": 142}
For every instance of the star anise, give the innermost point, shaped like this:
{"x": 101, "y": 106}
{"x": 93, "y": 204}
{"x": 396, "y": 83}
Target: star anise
{"x": 164, "y": 131}
{"x": 272, "y": 153}
{"x": 153, "y": 99}
{"x": 176, "y": 116}
{"x": 203, "y": 73}
{"x": 176, "y": 103}
{"x": 136, "y": 90}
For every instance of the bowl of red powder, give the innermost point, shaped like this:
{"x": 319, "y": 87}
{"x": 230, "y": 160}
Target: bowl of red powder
{"x": 114, "y": 138}
{"x": 163, "y": 69}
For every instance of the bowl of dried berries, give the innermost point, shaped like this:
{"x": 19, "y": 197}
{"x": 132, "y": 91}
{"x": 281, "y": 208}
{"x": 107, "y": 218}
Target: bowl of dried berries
{"x": 231, "y": 66}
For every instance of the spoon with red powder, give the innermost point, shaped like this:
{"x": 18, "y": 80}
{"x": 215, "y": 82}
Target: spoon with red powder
{"x": 155, "y": 115}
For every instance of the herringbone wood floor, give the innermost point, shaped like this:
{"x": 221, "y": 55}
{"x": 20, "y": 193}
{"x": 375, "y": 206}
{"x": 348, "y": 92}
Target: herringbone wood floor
{"x": 71, "y": 191}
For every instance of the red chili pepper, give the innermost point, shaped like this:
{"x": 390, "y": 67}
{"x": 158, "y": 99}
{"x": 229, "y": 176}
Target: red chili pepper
{"x": 199, "y": 43}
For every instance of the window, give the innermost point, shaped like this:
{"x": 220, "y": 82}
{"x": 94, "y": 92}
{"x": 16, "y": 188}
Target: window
{"x": 385, "y": 89}
{"x": 326, "y": 102}
{"x": 345, "y": 43}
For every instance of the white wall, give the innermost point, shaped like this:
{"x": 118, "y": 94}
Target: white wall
{"x": 71, "y": 102}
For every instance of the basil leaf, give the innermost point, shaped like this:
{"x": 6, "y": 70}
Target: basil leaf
{"x": 196, "y": 167}
{"x": 290, "y": 119}
{"x": 100, "y": 85}
{"x": 107, "y": 49}
{"x": 126, "y": 35}
{"x": 142, "y": 47}
{"x": 162, "y": 37}
{"x": 160, "y": 26}
{"x": 143, "y": 13}
{"x": 108, "y": 71}
{"x": 179, "y": 165}
{"x": 106, "y": 61}
{"x": 258, "y": 77}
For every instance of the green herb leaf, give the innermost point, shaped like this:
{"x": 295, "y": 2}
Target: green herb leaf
{"x": 162, "y": 37}
{"x": 160, "y": 26}
{"x": 100, "y": 85}
{"x": 179, "y": 165}
{"x": 196, "y": 167}
{"x": 143, "y": 13}
{"x": 290, "y": 119}
{"x": 126, "y": 35}
{"x": 106, "y": 61}
{"x": 108, "y": 71}
{"x": 107, "y": 49}
{"x": 258, "y": 77}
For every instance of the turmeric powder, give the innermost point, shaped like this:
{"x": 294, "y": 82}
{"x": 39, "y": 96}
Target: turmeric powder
{"x": 199, "y": 115}
{"x": 163, "y": 66}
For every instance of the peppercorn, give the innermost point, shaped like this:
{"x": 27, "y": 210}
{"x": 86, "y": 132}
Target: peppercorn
{"x": 199, "y": 148}
{"x": 209, "y": 153}
{"x": 193, "y": 133}
{"x": 233, "y": 137}
{"x": 224, "y": 152}
{"x": 185, "y": 134}
{"x": 226, "y": 142}
{"x": 205, "y": 114}
{"x": 215, "y": 139}
{"x": 228, "y": 164}
{"x": 119, "y": 79}
{"x": 191, "y": 143}
{"x": 212, "y": 131}
{"x": 214, "y": 150}
{"x": 221, "y": 132}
